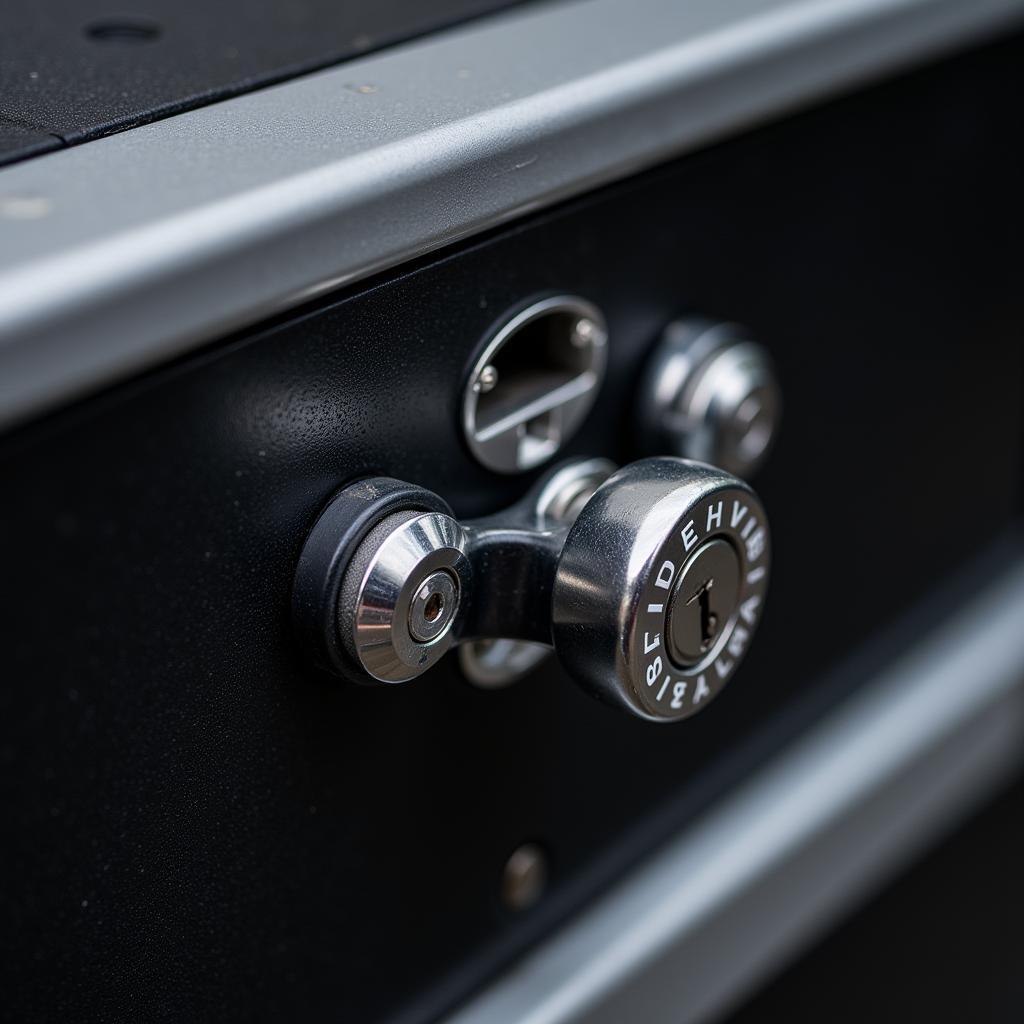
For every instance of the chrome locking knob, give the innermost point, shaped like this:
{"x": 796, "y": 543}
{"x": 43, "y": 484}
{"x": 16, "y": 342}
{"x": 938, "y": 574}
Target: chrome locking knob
{"x": 660, "y": 586}
{"x": 400, "y": 594}
{"x": 709, "y": 392}
{"x": 648, "y": 582}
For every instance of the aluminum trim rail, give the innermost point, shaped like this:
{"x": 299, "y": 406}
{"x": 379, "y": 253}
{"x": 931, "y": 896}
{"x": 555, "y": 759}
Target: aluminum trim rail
{"x": 127, "y": 251}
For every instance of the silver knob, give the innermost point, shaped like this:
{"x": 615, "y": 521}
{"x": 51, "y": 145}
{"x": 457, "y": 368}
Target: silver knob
{"x": 648, "y": 582}
{"x": 709, "y": 393}
{"x": 400, "y": 595}
{"x": 660, "y": 586}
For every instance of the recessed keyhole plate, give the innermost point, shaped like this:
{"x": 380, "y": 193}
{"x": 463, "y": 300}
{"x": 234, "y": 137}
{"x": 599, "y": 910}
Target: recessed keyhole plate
{"x": 534, "y": 382}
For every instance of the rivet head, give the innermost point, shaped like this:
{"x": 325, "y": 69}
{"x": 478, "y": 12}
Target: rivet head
{"x": 586, "y": 332}
{"x": 486, "y": 381}
{"x": 524, "y": 877}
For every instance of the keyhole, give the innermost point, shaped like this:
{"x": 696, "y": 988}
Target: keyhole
{"x": 433, "y": 607}
{"x": 708, "y": 619}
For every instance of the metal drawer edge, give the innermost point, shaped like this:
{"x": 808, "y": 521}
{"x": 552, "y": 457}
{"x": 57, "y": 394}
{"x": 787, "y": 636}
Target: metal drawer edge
{"x": 127, "y": 251}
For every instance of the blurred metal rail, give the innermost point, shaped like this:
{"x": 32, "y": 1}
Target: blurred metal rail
{"x": 126, "y": 251}
{"x": 755, "y": 880}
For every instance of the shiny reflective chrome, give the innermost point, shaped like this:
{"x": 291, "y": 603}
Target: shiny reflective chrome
{"x": 710, "y": 393}
{"x": 389, "y": 595}
{"x": 493, "y": 664}
{"x": 564, "y": 492}
{"x": 552, "y": 506}
{"x": 534, "y": 382}
{"x": 628, "y": 570}
{"x": 648, "y": 582}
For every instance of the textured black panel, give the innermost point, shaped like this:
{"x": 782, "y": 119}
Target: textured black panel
{"x": 81, "y": 68}
{"x": 197, "y": 826}
{"x": 17, "y": 141}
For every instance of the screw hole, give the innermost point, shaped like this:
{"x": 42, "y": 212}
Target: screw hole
{"x": 123, "y": 30}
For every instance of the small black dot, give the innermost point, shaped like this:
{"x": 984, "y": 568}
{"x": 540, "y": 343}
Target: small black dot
{"x": 123, "y": 30}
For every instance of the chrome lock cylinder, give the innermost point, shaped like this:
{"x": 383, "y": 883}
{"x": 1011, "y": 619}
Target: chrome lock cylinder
{"x": 648, "y": 581}
{"x": 379, "y": 582}
{"x": 660, "y": 586}
{"x": 400, "y": 594}
{"x": 709, "y": 392}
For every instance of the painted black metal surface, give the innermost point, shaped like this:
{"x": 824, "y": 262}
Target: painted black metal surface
{"x": 73, "y": 70}
{"x": 18, "y": 141}
{"x": 198, "y": 826}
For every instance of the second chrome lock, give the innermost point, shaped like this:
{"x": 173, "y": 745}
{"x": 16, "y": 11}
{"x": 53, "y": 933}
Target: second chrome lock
{"x": 648, "y": 581}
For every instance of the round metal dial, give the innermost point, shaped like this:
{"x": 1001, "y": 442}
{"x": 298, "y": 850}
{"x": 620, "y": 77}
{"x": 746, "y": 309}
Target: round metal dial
{"x": 660, "y": 586}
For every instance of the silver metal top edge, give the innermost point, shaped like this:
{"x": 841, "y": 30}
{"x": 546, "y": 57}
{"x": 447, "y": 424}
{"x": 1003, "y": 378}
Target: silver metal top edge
{"x": 129, "y": 250}
{"x": 688, "y": 934}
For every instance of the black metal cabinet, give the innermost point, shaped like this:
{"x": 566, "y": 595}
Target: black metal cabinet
{"x": 199, "y": 824}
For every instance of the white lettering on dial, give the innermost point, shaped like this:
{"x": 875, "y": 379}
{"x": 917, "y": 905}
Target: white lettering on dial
{"x": 748, "y": 609}
{"x": 665, "y": 575}
{"x": 653, "y": 671}
{"x": 701, "y": 691}
{"x": 714, "y": 517}
{"x": 689, "y": 536}
{"x": 756, "y": 543}
{"x": 752, "y": 538}
{"x": 738, "y": 641}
